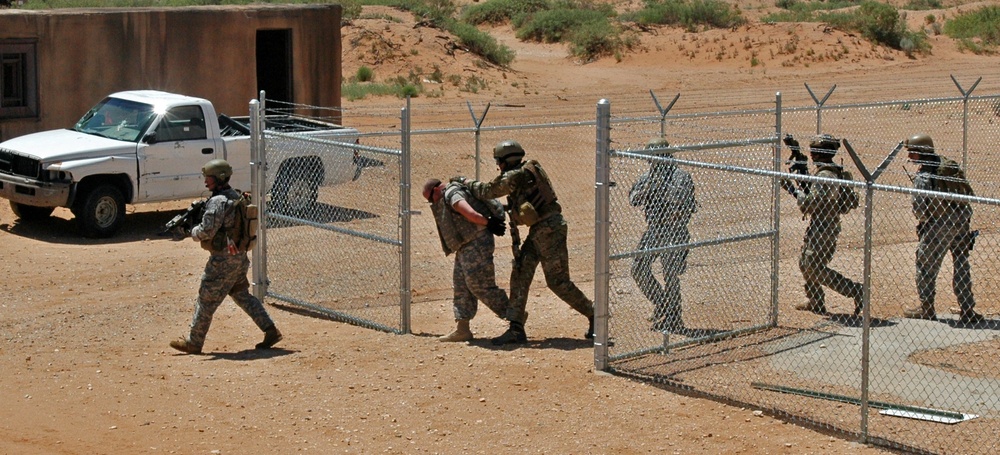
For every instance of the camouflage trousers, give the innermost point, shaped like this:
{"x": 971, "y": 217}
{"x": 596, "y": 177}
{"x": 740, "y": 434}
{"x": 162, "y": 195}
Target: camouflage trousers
{"x": 666, "y": 299}
{"x": 818, "y": 247}
{"x": 931, "y": 250}
{"x": 545, "y": 244}
{"x": 474, "y": 278}
{"x": 225, "y": 275}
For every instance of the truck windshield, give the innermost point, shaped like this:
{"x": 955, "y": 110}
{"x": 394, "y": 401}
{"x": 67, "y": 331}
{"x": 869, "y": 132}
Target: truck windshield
{"x": 117, "y": 119}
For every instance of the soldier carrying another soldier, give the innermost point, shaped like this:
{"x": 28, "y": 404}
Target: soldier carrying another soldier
{"x": 466, "y": 226}
{"x": 942, "y": 226}
{"x": 531, "y": 201}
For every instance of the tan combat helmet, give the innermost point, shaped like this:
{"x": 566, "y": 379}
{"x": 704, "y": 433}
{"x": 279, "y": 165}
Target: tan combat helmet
{"x": 824, "y": 143}
{"x": 657, "y": 143}
{"x": 507, "y": 149}
{"x": 220, "y": 169}
{"x": 920, "y": 143}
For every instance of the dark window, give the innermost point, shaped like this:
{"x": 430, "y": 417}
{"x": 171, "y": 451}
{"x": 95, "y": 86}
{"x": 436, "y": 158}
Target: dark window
{"x": 18, "y": 87}
{"x": 182, "y": 123}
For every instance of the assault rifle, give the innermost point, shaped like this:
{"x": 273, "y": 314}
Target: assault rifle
{"x": 798, "y": 163}
{"x": 180, "y": 226}
{"x": 515, "y": 244}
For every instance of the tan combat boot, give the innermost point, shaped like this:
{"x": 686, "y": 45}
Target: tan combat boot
{"x": 183, "y": 345}
{"x": 461, "y": 333}
{"x": 271, "y": 337}
{"x": 922, "y": 311}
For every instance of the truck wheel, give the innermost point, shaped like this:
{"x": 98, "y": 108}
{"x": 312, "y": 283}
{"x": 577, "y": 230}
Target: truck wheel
{"x": 30, "y": 212}
{"x": 100, "y": 212}
{"x": 293, "y": 194}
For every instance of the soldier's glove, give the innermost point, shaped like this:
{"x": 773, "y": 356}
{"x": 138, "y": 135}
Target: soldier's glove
{"x": 459, "y": 179}
{"x": 496, "y": 226}
{"x": 789, "y": 187}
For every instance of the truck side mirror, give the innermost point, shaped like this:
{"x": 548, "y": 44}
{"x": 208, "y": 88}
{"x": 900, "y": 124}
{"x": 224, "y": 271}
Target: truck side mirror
{"x": 150, "y": 137}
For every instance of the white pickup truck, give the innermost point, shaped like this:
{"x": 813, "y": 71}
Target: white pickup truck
{"x": 149, "y": 146}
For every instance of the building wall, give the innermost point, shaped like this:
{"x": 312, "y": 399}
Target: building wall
{"x": 209, "y": 52}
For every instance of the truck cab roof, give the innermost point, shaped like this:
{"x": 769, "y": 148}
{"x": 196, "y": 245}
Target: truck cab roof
{"x": 157, "y": 98}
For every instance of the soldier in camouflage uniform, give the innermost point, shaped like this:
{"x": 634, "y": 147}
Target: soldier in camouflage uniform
{"x": 822, "y": 205}
{"x": 666, "y": 195}
{"x": 942, "y": 226}
{"x": 531, "y": 201}
{"x": 226, "y": 271}
{"x": 465, "y": 225}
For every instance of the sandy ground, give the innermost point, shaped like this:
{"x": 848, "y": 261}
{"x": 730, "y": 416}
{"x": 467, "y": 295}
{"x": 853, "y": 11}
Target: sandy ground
{"x": 85, "y": 324}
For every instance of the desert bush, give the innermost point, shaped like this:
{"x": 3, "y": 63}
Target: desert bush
{"x": 691, "y": 14}
{"x": 922, "y": 4}
{"x": 982, "y": 24}
{"x": 501, "y": 11}
{"x": 600, "y": 38}
{"x": 364, "y": 74}
{"x": 553, "y": 25}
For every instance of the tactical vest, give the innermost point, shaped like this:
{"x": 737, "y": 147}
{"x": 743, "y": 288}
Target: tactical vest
{"x": 453, "y": 229}
{"x": 847, "y": 196}
{"x": 220, "y": 241}
{"x": 536, "y": 202}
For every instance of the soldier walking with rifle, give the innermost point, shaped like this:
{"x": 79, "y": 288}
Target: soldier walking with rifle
{"x": 666, "y": 195}
{"x": 532, "y": 202}
{"x": 824, "y": 204}
{"x": 942, "y": 226}
{"x": 226, "y": 271}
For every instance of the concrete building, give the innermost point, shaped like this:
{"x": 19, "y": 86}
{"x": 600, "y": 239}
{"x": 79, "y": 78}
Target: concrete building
{"x": 58, "y": 63}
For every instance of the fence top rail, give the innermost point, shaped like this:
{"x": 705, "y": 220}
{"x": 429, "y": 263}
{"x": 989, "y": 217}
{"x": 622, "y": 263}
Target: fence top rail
{"x": 701, "y": 146}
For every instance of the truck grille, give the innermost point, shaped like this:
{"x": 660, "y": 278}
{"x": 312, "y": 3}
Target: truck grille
{"x": 11, "y": 163}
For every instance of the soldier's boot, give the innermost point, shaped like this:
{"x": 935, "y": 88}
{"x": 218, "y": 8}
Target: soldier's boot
{"x": 970, "y": 317}
{"x": 922, "y": 311}
{"x": 590, "y": 329}
{"x": 271, "y": 337}
{"x": 183, "y": 345}
{"x": 514, "y": 335}
{"x": 461, "y": 333}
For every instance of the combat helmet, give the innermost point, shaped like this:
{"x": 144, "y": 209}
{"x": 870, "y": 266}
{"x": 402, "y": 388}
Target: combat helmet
{"x": 920, "y": 143}
{"x": 507, "y": 149}
{"x": 218, "y": 168}
{"x": 824, "y": 143}
{"x": 657, "y": 143}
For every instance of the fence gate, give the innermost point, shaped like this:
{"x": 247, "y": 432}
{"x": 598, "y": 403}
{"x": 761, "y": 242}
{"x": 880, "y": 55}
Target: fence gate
{"x": 334, "y": 220}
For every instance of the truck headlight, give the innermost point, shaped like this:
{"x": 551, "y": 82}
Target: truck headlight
{"x": 58, "y": 176}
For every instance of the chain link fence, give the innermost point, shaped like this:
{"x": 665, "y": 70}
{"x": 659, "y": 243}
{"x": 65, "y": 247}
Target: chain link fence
{"x": 797, "y": 305}
{"x": 734, "y": 332}
{"x": 333, "y": 240}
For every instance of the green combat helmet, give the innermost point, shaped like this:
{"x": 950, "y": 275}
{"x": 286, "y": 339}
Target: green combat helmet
{"x": 824, "y": 143}
{"x": 920, "y": 143}
{"x": 507, "y": 149}
{"x": 219, "y": 169}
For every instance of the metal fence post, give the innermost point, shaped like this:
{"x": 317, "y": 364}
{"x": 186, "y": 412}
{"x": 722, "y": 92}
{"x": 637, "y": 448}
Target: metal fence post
{"x": 601, "y": 234}
{"x": 405, "y": 294}
{"x": 776, "y": 220}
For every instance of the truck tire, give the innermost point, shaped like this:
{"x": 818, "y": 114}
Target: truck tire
{"x": 30, "y": 212}
{"x": 296, "y": 187}
{"x": 100, "y": 212}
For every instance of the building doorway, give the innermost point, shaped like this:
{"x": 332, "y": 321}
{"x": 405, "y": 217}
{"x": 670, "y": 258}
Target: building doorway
{"x": 274, "y": 64}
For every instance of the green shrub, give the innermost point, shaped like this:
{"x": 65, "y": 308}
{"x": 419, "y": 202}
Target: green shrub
{"x": 922, "y": 4}
{"x": 982, "y": 24}
{"x": 365, "y": 74}
{"x": 481, "y": 43}
{"x": 552, "y": 25}
{"x": 500, "y": 11}
{"x": 689, "y": 14}
{"x": 595, "y": 39}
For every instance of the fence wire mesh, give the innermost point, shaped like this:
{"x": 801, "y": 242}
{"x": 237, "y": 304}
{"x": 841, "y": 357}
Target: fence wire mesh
{"x": 741, "y": 337}
{"x": 806, "y": 348}
{"x": 333, "y": 234}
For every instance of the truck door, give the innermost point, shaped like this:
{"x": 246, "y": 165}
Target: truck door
{"x": 173, "y": 156}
